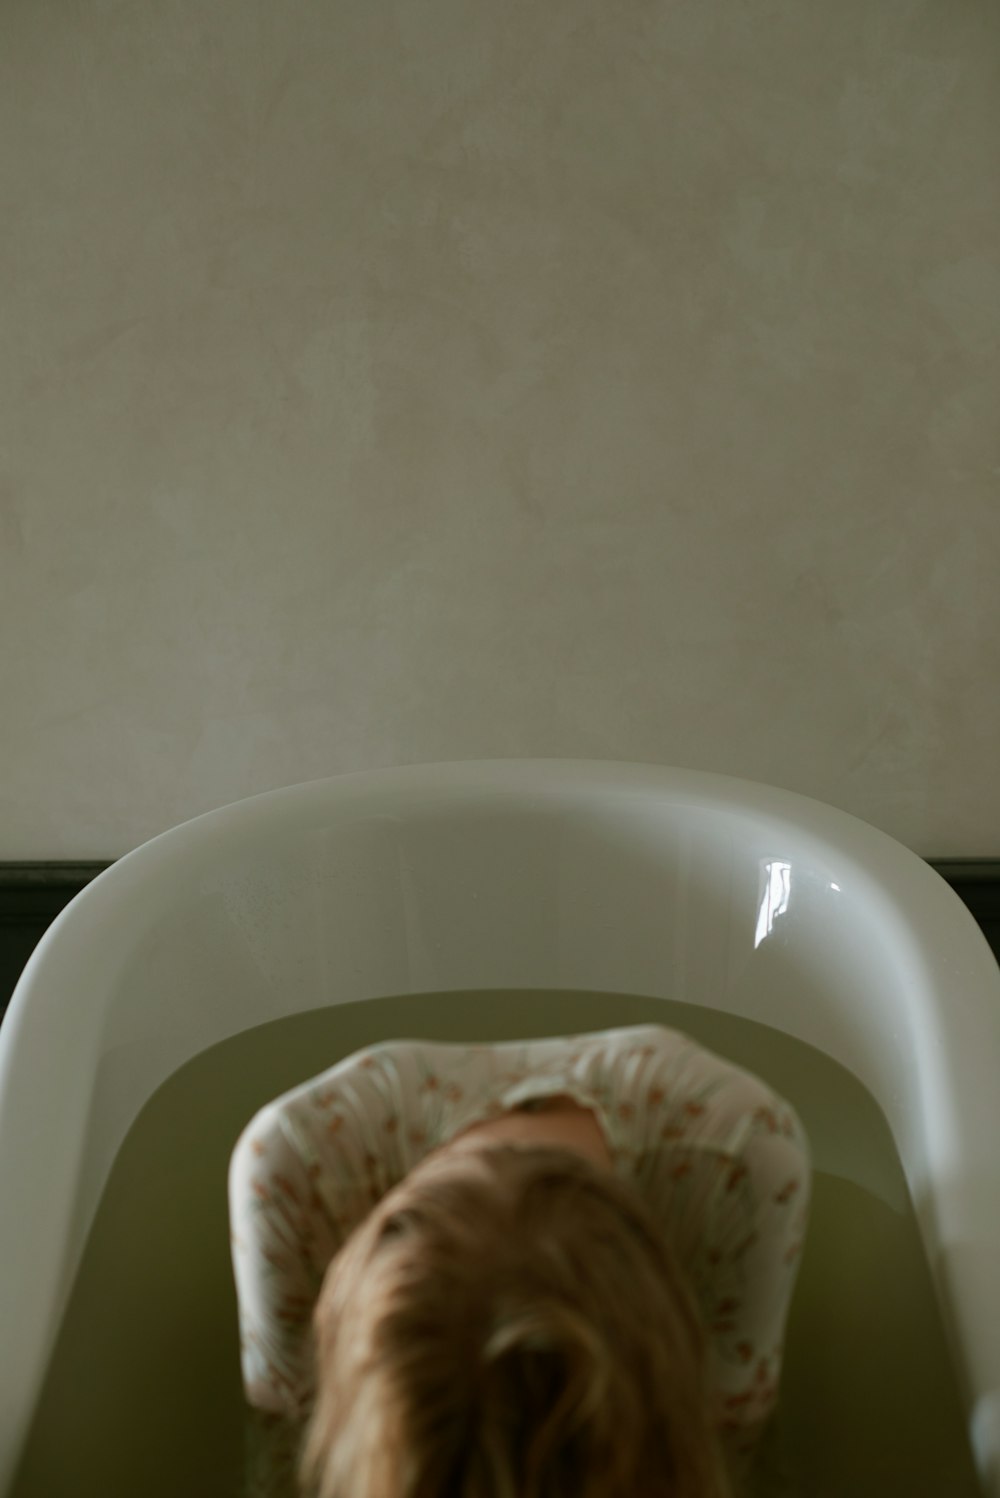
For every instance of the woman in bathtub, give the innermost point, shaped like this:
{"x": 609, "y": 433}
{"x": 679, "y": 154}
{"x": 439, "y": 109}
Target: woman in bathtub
{"x": 557, "y": 1268}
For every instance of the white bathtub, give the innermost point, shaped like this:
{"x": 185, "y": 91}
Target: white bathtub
{"x": 561, "y": 874}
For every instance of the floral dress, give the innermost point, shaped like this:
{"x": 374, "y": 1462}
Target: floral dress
{"x": 721, "y": 1160}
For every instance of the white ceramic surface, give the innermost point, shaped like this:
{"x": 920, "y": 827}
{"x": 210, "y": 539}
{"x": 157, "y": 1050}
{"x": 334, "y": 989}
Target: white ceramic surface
{"x": 572, "y": 874}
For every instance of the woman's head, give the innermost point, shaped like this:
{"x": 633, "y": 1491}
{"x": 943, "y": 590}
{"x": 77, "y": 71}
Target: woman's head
{"x": 508, "y": 1322}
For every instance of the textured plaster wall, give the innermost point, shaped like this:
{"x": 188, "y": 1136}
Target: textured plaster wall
{"x": 385, "y": 381}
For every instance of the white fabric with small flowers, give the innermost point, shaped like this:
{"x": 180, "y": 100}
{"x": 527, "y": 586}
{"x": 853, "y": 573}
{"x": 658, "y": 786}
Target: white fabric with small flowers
{"x": 722, "y": 1161}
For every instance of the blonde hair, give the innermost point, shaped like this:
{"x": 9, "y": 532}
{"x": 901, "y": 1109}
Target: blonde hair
{"x": 508, "y": 1322}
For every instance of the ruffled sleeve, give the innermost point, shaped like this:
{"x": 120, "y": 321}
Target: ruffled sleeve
{"x": 754, "y": 1236}
{"x": 281, "y": 1242}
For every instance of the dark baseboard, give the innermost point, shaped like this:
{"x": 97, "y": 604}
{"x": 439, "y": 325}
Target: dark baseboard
{"x": 32, "y": 895}
{"x": 976, "y": 881}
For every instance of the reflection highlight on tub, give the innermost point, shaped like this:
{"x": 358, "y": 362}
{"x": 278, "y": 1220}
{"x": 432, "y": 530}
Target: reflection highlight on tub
{"x": 776, "y": 888}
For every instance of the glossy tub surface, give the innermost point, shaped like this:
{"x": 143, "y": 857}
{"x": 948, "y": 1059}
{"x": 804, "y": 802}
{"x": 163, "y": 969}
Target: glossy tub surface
{"x": 538, "y": 874}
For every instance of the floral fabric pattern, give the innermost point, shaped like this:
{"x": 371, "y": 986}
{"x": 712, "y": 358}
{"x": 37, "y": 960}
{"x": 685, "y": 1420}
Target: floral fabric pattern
{"x": 719, "y": 1157}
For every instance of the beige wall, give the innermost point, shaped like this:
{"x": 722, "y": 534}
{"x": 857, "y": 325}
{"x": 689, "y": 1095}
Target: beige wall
{"x": 386, "y": 381}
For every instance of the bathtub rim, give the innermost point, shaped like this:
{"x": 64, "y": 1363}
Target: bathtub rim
{"x": 906, "y": 881}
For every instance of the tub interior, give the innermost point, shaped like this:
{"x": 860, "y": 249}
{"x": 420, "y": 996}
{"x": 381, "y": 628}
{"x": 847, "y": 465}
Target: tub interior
{"x": 142, "y": 1393}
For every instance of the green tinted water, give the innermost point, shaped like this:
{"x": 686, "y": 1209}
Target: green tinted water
{"x": 143, "y": 1397}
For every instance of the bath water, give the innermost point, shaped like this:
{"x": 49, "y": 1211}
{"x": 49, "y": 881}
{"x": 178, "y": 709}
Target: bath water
{"x": 142, "y": 1398}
